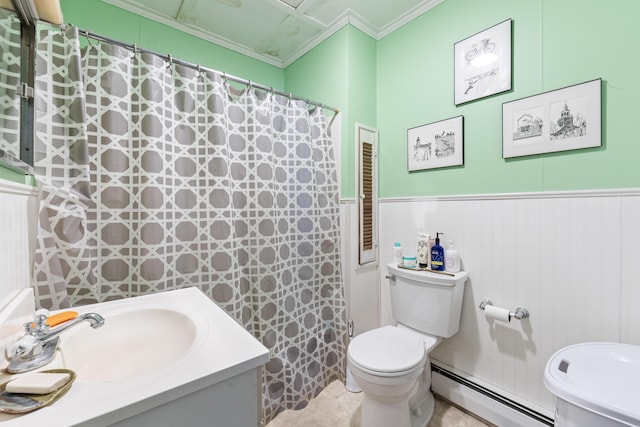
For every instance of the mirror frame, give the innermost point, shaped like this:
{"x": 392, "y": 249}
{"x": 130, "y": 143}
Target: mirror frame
{"x": 27, "y": 74}
{"x": 24, "y": 164}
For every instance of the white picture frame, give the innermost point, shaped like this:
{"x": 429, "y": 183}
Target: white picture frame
{"x": 436, "y": 145}
{"x": 559, "y": 120}
{"x": 482, "y": 64}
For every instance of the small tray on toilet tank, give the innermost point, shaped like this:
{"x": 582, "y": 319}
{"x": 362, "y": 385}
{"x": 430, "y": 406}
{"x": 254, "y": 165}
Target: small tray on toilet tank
{"x": 434, "y": 277}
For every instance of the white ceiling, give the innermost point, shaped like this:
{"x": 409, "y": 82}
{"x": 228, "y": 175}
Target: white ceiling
{"x": 277, "y": 31}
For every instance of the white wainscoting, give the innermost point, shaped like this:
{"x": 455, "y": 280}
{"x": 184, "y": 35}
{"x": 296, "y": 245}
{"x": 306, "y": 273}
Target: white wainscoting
{"x": 568, "y": 257}
{"x": 18, "y": 213}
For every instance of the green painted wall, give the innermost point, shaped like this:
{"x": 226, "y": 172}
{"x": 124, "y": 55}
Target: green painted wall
{"x": 555, "y": 44}
{"x": 340, "y": 72}
{"x": 10, "y": 175}
{"x": 362, "y": 100}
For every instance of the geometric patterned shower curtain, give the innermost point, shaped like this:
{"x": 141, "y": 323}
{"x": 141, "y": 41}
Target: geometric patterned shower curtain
{"x": 193, "y": 183}
{"x": 63, "y": 258}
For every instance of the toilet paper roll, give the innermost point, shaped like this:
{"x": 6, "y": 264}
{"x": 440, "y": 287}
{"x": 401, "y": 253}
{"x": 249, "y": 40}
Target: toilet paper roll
{"x": 497, "y": 313}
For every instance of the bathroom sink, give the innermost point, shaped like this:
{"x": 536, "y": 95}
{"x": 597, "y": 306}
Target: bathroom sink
{"x": 167, "y": 358}
{"x": 131, "y": 344}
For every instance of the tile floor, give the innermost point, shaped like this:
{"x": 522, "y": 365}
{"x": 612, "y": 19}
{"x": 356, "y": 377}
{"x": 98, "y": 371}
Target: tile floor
{"x": 336, "y": 407}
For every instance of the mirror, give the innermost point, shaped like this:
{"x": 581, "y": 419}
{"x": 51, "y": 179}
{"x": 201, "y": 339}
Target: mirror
{"x": 10, "y": 100}
{"x": 17, "y": 67}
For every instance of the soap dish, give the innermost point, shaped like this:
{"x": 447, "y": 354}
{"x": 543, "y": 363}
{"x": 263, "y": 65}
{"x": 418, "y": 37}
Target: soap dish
{"x": 18, "y": 403}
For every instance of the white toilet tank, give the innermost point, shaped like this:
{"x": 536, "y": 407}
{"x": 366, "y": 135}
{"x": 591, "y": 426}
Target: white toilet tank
{"x": 426, "y": 301}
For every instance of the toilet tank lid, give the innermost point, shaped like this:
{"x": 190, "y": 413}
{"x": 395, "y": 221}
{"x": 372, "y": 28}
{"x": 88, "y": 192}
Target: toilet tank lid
{"x": 599, "y": 377}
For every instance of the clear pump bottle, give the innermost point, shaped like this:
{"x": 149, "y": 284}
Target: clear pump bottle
{"x": 452, "y": 257}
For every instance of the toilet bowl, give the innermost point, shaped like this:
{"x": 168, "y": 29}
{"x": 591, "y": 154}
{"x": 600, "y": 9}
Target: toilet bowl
{"x": 391, "y": 364}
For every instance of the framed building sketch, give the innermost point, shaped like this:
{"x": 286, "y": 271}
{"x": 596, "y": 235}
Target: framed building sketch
{"x": 559, "y": 120}
{"x": 482, "y": 64}
{"x": 436, "y": 145}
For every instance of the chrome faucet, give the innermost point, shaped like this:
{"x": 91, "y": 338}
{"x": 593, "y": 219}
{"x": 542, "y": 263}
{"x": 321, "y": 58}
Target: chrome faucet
{"x": 45, "y": 334}
{"x": 38, "y": 346}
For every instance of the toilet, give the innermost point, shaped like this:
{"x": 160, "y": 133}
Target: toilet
{"x": 391, "y": 364}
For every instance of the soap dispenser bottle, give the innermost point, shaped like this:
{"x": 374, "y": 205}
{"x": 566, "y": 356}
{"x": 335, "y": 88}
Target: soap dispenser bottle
{"x": 437, "y": 255}
{"x": 430, "y": 244}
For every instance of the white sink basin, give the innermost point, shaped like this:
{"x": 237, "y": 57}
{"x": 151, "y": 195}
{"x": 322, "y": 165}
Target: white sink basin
{"x": 170, "y": 358}
{"x": 130, "y": 344}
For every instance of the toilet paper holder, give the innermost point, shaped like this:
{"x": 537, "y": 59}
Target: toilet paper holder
{"x": 520, "y": 312}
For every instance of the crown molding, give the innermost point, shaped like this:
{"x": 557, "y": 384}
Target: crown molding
{"x": 220, "y": 41}
{"x": 348, "y": 17}
{"x": 407, "y": 17}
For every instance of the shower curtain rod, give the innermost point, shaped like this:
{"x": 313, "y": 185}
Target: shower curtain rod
{"x": 248, "y": 83}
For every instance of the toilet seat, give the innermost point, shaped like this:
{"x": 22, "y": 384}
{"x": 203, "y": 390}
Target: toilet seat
{"x": 387, "y": 351}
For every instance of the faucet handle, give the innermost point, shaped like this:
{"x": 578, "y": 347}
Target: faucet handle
{"x": 41, "y": 316}
{"x": 25, "y": 348}
{"x": 39, "y": 324}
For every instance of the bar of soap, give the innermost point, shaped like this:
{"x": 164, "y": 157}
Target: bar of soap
{"x": 37, "y": 382}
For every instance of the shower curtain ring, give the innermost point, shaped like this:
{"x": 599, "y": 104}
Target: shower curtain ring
{"x": 199, "y": 70}
{"x": 86, "y": 34}
{"x": 169, "y": 61}
{"x": 134, "y": 52}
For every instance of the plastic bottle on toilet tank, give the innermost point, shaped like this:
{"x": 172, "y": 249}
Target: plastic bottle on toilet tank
{"x": 423, "y": 250}
{"x": 397, "y": 253}
{"x": 451, "y": 258}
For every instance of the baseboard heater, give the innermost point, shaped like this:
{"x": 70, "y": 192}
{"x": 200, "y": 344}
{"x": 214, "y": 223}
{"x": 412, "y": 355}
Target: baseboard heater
{"x": 515, "y": 406}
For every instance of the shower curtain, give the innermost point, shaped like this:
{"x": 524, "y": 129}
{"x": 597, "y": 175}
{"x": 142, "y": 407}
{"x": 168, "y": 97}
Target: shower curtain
{"x": 195, "y": 183}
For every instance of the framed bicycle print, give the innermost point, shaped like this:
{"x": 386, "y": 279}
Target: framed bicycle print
{"x": 482, "y": 64}
{"x": 558, "y": 120}
{"x": 436, "y": 145}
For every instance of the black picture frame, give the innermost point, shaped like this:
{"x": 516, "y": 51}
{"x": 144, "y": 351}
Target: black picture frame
{"x": 563, "y": 119}
{"x": 483, "y": 63}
